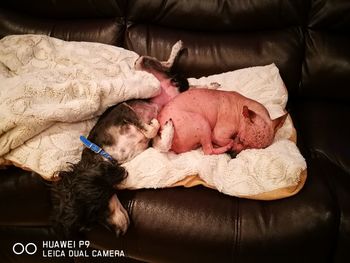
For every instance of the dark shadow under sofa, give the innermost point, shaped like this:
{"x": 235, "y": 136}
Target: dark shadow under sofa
{"x": 309, "y": 42}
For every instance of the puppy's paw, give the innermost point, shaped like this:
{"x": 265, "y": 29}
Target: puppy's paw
{"x": 155, "y": 123}
{"x": 155, "y": 128}
{"x": 168, "y": 130}
{"x": 214, "y": 85}
{"x": 164, "y": 142}
{"x": 150, "y": 130}
{"x": 169, "y": 125}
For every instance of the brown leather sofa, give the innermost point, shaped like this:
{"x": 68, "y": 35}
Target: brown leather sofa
{"x": 309, "y": 42}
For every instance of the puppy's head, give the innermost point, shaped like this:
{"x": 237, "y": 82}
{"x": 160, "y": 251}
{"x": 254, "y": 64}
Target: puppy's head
{"x": 256, "y": 130}
{"x": 84, "y": 196}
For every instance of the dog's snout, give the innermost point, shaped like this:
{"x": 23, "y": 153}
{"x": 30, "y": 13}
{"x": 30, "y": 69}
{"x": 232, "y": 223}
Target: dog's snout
{"x": 123, "y": 224}
{"x": 119, "y": 217}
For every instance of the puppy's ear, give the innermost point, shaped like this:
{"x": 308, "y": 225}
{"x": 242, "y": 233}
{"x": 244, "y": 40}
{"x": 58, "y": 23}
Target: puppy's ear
{"x": 103, "y": 173}
{"x": 248, "y": 113}
{"x": 96, "y": 190}
{"x": 63, "y": 214}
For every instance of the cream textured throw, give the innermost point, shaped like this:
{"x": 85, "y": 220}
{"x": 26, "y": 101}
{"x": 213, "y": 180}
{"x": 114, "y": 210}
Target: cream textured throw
{"x": 52, "y": 91}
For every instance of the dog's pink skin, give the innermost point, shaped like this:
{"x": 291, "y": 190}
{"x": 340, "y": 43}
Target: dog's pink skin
{"x": 149, "y": 111}
{"x": 167, "y": 92}
{"x": 219, "y": 121}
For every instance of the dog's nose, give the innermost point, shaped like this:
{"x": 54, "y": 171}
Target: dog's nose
{"x": 122, "y": 225}
{"x": 120, "y": 231}
{"x": 120, "y": 222}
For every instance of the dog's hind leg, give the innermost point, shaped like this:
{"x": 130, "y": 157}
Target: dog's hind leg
{"x": 152, "y": 65}
{"x": 173, "y": 55}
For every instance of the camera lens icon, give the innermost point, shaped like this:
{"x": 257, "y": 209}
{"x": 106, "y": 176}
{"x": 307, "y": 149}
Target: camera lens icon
{"x": 19, "y": 248}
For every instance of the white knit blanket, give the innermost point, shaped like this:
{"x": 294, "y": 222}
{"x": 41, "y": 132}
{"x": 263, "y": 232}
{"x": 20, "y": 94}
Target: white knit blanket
{"x": 52, "y": 91}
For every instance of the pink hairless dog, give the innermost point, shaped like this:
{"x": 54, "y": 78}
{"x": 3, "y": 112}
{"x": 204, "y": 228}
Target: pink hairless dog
{"x": 219, "y": 121}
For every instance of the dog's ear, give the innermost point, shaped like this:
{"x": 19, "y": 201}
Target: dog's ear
{"x": 63, "y": 214}
{"x": 102, "y": 173}
{"x": 81, "y": 197}
{"x": 248, "y": 113}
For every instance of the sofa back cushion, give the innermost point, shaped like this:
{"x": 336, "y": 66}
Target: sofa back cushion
{"x": 307, "y": 40}
{"x": 326, "y": 70}
{"x": 221, "y": 35}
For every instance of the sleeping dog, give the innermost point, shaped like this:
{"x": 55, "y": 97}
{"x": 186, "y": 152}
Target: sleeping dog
{"x": 84, "y": 195}
{"x": 218, "y": 121}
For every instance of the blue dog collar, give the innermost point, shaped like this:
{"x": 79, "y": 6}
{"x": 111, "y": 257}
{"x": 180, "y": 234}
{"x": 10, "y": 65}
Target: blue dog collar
{"x": 95, "y": 148}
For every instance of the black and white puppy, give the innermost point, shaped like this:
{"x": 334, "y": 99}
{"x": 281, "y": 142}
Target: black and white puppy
{"x": 85, "y": 195}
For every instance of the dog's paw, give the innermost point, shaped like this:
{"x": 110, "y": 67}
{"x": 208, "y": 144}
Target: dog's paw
{"x": 154, "y": 128}
{"x": 150, "y": 130}
{"x": 168, "y": 124}
{"x": 168, "y": 130}
{"x": 155, "y": 123}
{"x": 214, "y": 85}
{"x": 164, "y": 142}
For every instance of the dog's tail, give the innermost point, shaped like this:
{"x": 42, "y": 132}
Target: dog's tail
{"x": 84, "y": 196}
